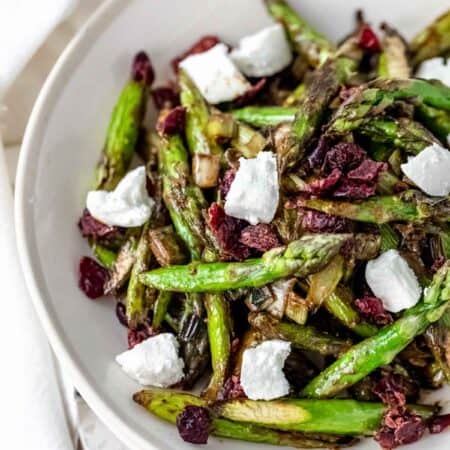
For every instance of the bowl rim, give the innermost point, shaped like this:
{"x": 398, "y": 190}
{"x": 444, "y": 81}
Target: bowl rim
{"x": 80, "y": 43}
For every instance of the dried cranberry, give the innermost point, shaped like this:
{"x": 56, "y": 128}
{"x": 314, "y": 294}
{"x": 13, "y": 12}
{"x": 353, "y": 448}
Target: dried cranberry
{"x": 319, "y": 222}
{"x": 165, "y": 97}
{"x": 142, "y": 70}
{"x": 231, "y": 389}
{"x": 344, "y": 156}
{"x": 193, "y": 424}
{"x": 121, "y": 314}
{"x": 373, "y": 310}
{"x": 437, "y": 263}
{"x": 316, "y": 157}
{"x": 248, "y": 96}
{"x": 226, "y": 181}
{"x": 325, "y": 185}
{"x": 92, "y": 228}
{"x": 226, "y": 229}
{"x": 439, "y": 423}
{"x": 139, "y": 334}
{"x": 368, "y": 40}
{"x": 172, "y": 121}
{"x": 202, "y": 45}
{"x": 261, "y": 237}
{"x": 92, "y": 277}
{"x": 354, "y": 190}
{"x": 367, "y": 171}
{"x": 400, "y": 427}
{"x": 393, "y": 389}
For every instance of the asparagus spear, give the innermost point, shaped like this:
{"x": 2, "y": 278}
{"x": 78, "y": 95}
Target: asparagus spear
{"x": 124, "y": 126}
{"x": 106, "y": 256}
{"x": 160, "y": 308}
{"x": 219, "y": 331}
{"x": 389, "y": 238}
{"x": 136, "y": 302}
{"x": 264, "y": 116}
{"x": 393, "y": 61}
{"x": 324, "y": 86}
{"x": 307, "y": 41}
{"x": 168, "y": 404}
{"x": 382, "y": 348}
{"x": 206, "y": 154}
{"x": 433, "y": 40}
{"x": 296, "y": 96}
{"x": 436, "y": 120}
{"x": 300, "y": 257}
{"x": 346, "y": 417}
{"x": 409, "y": 206}
{"x": 300, "y": 336}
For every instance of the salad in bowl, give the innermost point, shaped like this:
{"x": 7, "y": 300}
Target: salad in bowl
{"x": 279, "y": 238}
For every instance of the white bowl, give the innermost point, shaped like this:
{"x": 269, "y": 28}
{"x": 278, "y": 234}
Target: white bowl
{"x": 62, "y": 144}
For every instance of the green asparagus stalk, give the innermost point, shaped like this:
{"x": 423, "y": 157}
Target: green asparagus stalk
{"x": 389, "y": 238}
{"x": 169, "y": 404}
{"x": 307, "y": 41}
{"x": 300, "y": 257}
{"x": 265, "y": 116}
{"x": 382, "y": 348}
{"x": 136, "y": 302}
{"x": 409, "y": 206}
{"x": 124, "y": 127}
{"x": 206, "y": 153}
{"x": 394, "y": 60}
{"x": 106, "y": 256}
{"x": 433, "y": 40}
{"x": 300, "y": 336}
{"x": 311, "y": 112}
{"x": 296, "y": 96}
{"x": 160, "y": 308}
{"x": 346, "y": 417}
{"x": 219, "y": 331}
{"x": 436, "y": 120}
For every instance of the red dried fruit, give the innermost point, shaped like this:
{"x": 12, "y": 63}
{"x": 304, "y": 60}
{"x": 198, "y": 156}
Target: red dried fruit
{"x": 165, "y": 97}
{"x": 261, "y": 237}
{"x": 92, "y": 277}
{"x": 400, "y": 427}
{"x": 226, "y": 229}
{"x": 193, "y": 424}
{"x": 202, "y": 45}
{"x": 368, "y": 40}
{"x": 354, "y": 190}
{"x": 139, "y": 334}
{"x": 325, "y": 185}
{"x": 373, "y": 310}
{"x": 92, "y": 228}
{"x": 226, "y": 181}
{"x": 142, "y": 70}
{"x": 319, "y": 222}
{"x": 439, "y": 423}
{"x": 231, "y": 390}
{"x": 367, "y": 171}
{"x": 393, "y": 389}
{"x": 248, "y": 96}
{"x": 172, "y": 121}
{"x": 316, "y": 157}
{"x": 344, "y": 156}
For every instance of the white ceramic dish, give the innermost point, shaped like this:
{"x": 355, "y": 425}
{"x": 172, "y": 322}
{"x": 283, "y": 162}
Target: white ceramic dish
{"x": 62, "y": 144}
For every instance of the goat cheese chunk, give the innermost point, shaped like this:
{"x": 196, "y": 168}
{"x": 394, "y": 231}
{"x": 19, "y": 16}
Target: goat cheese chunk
{"x": 129, "y": 205}
{"x": 430, "y": 170}
{"x": 393, "y": 281}
{"x": 254, "y": 193}
{"x": 435, "y": 69}
{"x": 264, "y": 53}
{"x": 262, "y": 376}
{"x": 215, "y": 75}
{"x": 154, "y": 362}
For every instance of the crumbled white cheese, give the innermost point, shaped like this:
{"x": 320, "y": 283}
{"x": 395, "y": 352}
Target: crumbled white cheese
{"x": 129, "y": 205}
{"x": 154, "y": 362}
{"x": 430, "y": 170}
{"x": 393, "y": 281}
{"x": 254, "y": 193}
{"x": 215, "y": 75}
{"x": 262, "y": 376}
{"x": 435, "y": 69}
{"x": 264, "y": 53}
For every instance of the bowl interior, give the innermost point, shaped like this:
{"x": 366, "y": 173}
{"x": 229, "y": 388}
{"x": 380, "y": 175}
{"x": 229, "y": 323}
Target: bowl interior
{"x": 61, "y": 147}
